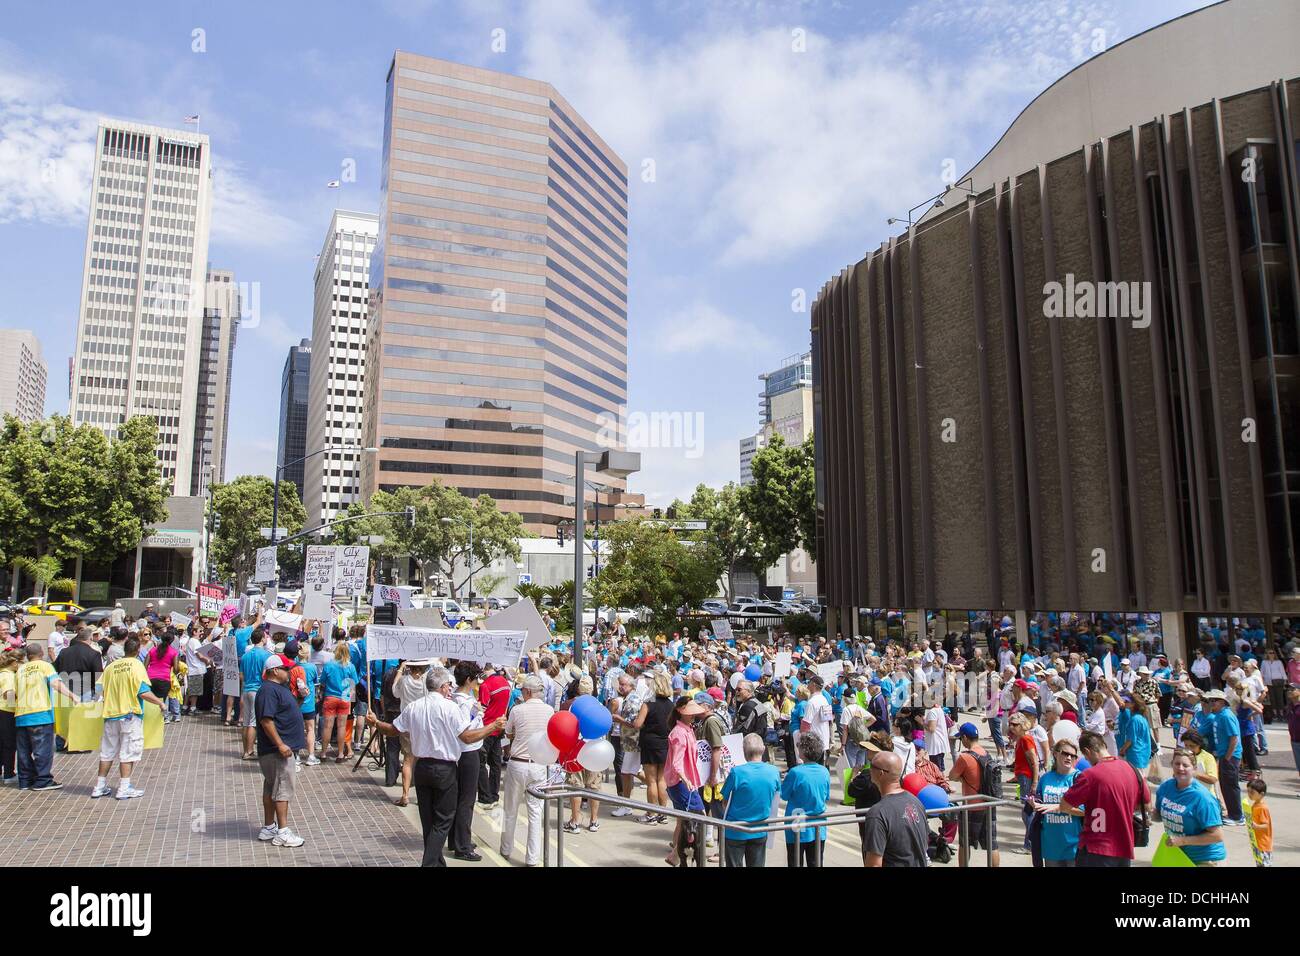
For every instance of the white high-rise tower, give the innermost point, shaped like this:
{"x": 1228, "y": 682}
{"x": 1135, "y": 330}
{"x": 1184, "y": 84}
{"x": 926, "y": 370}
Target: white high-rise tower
{"x": 143, "y": 287}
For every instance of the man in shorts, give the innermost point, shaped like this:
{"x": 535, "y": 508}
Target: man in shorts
{"x": 280, "y": 734}
{"x": 125, "y": 685}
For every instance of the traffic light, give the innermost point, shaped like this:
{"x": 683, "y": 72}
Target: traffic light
{"x": 591, "y": 571}
{"x": 672, "y": 514}
{"x": 410, "y": 516}
{"x": 216, "y": 521}
{"x": 386, "y": 613}
{"x": 559, "y": 535}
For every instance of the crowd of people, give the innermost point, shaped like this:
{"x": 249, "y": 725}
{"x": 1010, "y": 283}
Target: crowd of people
{"x": 1072, "y": 731}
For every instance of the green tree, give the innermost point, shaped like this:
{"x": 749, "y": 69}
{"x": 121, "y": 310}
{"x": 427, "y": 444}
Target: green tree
{"x": 531, "y": 592}
{"x": 650, "y": 566}
{"x": 66, "y": 491}
{"x": 781, "y": 503}
{"x": 47, "y": 572}
{"x": 487, "y": 583}
{"x": 496, "y": 534}
{"x": 729, "y": 529}
{"x": 244, "y": 507}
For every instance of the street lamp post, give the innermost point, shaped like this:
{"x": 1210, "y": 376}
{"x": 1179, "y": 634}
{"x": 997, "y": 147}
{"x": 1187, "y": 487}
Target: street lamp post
{"x": 279, "y": 470}
{"x": 617, "y": 464}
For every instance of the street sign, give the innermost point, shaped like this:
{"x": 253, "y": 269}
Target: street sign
{"x": 279, "y": 533}
{"x": 525, "y": 579}
{"x": 678, "y": 525}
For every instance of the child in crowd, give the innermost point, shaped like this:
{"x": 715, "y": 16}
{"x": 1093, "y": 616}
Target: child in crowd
{"x": 179, "y": 677}
{"x": 1261, "y": 821}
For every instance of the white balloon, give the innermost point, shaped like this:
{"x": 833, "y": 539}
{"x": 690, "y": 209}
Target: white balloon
{"x": 596, "y": 755}
{"x": 1066, "y": 730}
{"x": 541, "y": 749}
{"x": 736, "y": 678}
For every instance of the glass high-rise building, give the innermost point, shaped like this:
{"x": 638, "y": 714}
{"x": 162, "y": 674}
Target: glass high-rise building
{"x": 497, "y": 342}
{"x": 142, "y": 298}
{"x": 221, "y": 311}
{"x": 292, "y": 444}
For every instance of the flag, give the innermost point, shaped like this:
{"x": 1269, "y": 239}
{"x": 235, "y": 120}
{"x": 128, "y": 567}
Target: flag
{"x": 333, "y": 184}
{"x": 192, "y": 119}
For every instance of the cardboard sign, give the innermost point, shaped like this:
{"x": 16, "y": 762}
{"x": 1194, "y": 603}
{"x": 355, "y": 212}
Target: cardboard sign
{"x": 229, "y": 665}
{"x": 390, "y": 593}
{"x": 265, "y": 571}
{"x": 522, "y": 615}
{"x": 722, "y": 629}
{"x": 282, "y": 622}
{"x": 351, "y": 569}
{"x": 783, "y": 666}
{"x": 211, "y": 597}
{"x": 318, "y": 582}
{"x": 830, "y": 672}
{"x": 499, "y": 648}
{"x": 180, "y": 620}
{"x": 733, "y": 746}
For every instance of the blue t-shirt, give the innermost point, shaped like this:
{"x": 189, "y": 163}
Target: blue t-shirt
{"x": 1189, "y": 812}
{"x": 806, "y": 787}
{"x": 1164, "y": 673}
{"x": 338, "y": 680}
{"x": 312, "y": 676}
{"x": 750, "y": 787}
{"x": 1060, "y": 830}
{"x": 250, "y": 665}
{"x": 242, "y": 636}
{"x": 796, "y": 715}
{"x": 357, "y": 651}
{"x": 1135, "y": 730}
{"x": 1226, "y": 726}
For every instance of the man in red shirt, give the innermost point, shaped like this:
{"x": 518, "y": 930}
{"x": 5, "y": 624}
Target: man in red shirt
{"x": 1106, "y": 795}
{"x": 494, "y": 695}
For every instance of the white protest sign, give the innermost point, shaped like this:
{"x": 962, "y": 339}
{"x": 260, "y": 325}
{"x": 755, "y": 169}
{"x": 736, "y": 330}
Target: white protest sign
{"x": 230, "y": 664}
{"x": 733, "y": 746}
{"x": 388, "y": 641}
{"x": 386, "y": 593}
{"x": 351, "y": 569}
{"x": 722, "y": 629}
{"x": 179, "y": 620}
{"x": 783, "y": 664}
{"x": 318, "y": 582}
{"x": 522, "y": 615}
{"x": 1109, "y": 668}
{"x": 282, "y": 622}
{"x": 265, "y": 571}
{"x": 830, "y": 672}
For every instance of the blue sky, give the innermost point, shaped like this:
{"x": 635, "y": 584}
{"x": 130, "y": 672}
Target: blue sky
{"x": 782, "y": 136}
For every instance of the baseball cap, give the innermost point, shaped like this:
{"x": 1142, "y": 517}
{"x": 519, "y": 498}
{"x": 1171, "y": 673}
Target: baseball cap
{"x": 705, "y": 699}
{"x": 291, "y": 649}
{"x": 716, "y": 693}
{"x": 274, "y": 661}
{"x": 968, "y": 730}
{"x": 1029, "y": 709}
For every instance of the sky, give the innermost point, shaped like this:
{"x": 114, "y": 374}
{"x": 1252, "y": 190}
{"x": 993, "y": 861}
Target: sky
{"x": 767, "y": 143}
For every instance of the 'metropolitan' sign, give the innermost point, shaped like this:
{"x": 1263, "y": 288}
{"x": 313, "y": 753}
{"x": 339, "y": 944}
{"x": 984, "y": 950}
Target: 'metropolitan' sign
{"x": 500, "y": 648}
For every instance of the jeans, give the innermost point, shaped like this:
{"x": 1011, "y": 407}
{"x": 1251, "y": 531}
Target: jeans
{"x": 519, "y": 777}
{"x": 8, "y": 744}
{"x": 435, "y": 788}
{"x": 752, "y": 853}
{"x": 1230, "y": 783}
{"x": 814, "y": 852}
{"x": 467, "y": 777}
{"x": 1026, "y": 813}
{"x": 489, "y": 774}
{"x": 995, "y": 731}
{"x": 855, "y": 755}
{"x": 1248, "y": 758}
{"x": 35, "y": 755}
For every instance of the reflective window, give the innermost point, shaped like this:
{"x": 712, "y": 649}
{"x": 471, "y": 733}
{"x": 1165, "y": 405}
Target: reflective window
{"x": 460, "y": 401}
{"x": 452, "y": 225}
{"x": 466, "y": 292}
{"x": 473, "y": 106}
{"x": 469, "y": 146}
{"x": 497, "y": 212}
{"x": 462, "y": 378}
{"x": 504, "y": 172}
{"x": 420, "y": 116}
{"x": 465, "y": 186}
{"x": 473, "y": 358}
{"x": 427, "y": 308}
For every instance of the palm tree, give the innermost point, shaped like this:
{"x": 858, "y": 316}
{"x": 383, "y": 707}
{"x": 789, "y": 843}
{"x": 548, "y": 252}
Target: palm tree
{"x": 531, "y": 592}
{"x": 46, "y": 571}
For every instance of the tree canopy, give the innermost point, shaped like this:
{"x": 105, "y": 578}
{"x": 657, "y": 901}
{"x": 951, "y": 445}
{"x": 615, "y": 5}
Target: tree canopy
{"x": 244, "y": 507}
{"x": 648, "y": 565}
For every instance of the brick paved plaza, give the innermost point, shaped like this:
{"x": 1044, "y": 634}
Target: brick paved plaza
{"x": 202, "y": 807}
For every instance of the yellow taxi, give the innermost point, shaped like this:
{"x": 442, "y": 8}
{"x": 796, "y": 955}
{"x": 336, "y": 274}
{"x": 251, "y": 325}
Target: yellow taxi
{"x": 58, "y": 609}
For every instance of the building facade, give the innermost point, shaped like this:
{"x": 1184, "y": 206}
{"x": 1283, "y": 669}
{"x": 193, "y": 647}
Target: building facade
{"x": 1079, "y": 388}
{"x": 221, "y": 312}
{"x": 497, "y": 342}
{"x": 294, "y": 414}
{"x": 338, "y": 367}
{"x": 22, "y": 375}
{"x": 140, "y": 324}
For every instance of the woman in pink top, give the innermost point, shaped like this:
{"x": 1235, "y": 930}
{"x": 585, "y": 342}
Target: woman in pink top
{"x": 681, "y": 772}
{"x": 160, "y": 663}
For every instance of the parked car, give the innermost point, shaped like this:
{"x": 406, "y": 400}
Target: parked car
{"x": 716, "y": 608}
{"x": 451, "y": 609}
{"x": 758, "y": 610}
{"x": 57, "y": 609}
{"x": 91, "y": 617}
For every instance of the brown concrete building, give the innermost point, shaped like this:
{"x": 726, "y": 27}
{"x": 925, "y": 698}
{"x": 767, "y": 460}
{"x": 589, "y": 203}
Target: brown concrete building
{"x": 985, "y": 440}
{"x": 497, "y": 337}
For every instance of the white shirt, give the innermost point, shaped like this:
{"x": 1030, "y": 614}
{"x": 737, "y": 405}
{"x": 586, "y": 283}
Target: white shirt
{"x": 820, "y": 718}
{"x": 57, "y": 642}
{"x": 1201, "y": 667}
{"x": 409, "y": 689}
{"x": 434, "y": 724}
{"x": 936, "y": 741}
{"x": 197, "y": 665}
{"x": 526, "y": 719}
{"x": 907, "y": 753}
{"x": 1076, "y": 678}
{"x": 471, "y": 709}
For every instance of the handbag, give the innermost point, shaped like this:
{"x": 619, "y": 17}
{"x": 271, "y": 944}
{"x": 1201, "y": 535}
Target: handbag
{"x": 1141, "y": 824}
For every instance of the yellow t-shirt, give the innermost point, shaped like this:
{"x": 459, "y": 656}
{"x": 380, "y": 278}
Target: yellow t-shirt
{"x": 7, "y": 684}
{"x": 35, "y": 702}
{"x": 124, "y": 681}
{"x": 1206, "y": 764}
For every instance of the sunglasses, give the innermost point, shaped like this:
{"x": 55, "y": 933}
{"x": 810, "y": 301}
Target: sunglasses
{"x": 1067, "y": 753}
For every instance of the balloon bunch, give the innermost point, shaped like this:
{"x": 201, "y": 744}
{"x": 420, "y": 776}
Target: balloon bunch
{"x": 575, "y": 738}
{"x": 931, "y": 796}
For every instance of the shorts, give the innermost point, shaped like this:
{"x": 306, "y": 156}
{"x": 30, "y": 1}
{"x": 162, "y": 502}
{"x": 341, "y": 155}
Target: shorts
{"x": 589, "y": 779}
{"x": 277, "y": 777}
{"x": 653, "y": 752}
{"x": 979, "y": 833}
{"x": 336, "y": 707}
{"x": 361, "y": 708}
{"x": 248, "y": 708}
{"x": 631, "y": 762}
{"x": 684, "y": 798}
{"x": 404, "y": 741}
{"x": 122, "y": 740}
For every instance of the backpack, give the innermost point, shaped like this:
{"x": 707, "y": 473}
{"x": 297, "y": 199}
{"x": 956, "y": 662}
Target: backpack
{"x": 991, "y": 771}
{"x": 859, "y": 730}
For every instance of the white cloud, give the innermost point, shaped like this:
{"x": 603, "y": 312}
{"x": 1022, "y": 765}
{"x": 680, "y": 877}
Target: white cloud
{"x": 667, "y": 473}
{"x": 245, "y": 215}
{"x": 701, "y": 326}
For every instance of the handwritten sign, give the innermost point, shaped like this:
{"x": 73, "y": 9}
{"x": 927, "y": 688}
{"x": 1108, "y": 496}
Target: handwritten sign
{"x": 265, "y": 571}
{"x": 386, "y": 593}
{"x": 230, "y": 665}
{"x": 180, "y": 621}
{"x": 211, "y": 597}
{"x": 351, "y": 569}
{"x": 318, "y": 581}
{"x": 783, "y": 665}
{"x": 722, "y": 629}
{"x": 500, "y": 648}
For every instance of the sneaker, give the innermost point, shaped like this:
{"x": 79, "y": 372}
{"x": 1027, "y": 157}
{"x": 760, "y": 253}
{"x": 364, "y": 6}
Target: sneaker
{"x": 50, "y": 786}
{"x": 268, "y": 832}
{"x": 571, "y": 828}
{"x": 101, "y": 792}
{"x": 622, "y": 812}
{"x": 312, "y": 761}
{"x": 129, "y": 794}
{"x": 286, "y": 837}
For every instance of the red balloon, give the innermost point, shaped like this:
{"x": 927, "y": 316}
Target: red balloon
{"x": 569, "y": 760}
{"x": 562, "y": 730}
{"x": 914, "y": 783}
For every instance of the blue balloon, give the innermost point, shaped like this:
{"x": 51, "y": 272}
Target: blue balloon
{"x": 933, "y": 797}
{"x": 594, "y": 719}
{"x": 1082, "y": 764}
{"x": 753, "y": 672}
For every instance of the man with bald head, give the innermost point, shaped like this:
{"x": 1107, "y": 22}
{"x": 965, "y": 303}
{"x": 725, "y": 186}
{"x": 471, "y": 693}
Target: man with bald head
{"x": 895, "y": 831}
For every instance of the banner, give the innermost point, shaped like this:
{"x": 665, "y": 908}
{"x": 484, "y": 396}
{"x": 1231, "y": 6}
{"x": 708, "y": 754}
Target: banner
{"x": 211, "y": 597}
{"x": 318, "y": 582}
{"x": 265, "y": 572}
{"x": 388, "y": 641}
{"x": 351, "y": 569}
{"x": 385, "y": 593}
{"x": 722, "y": 629}
{"x": 82, "y": 725}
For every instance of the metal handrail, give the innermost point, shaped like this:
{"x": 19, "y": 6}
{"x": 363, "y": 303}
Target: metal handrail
{"x": 963, "y": 805}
